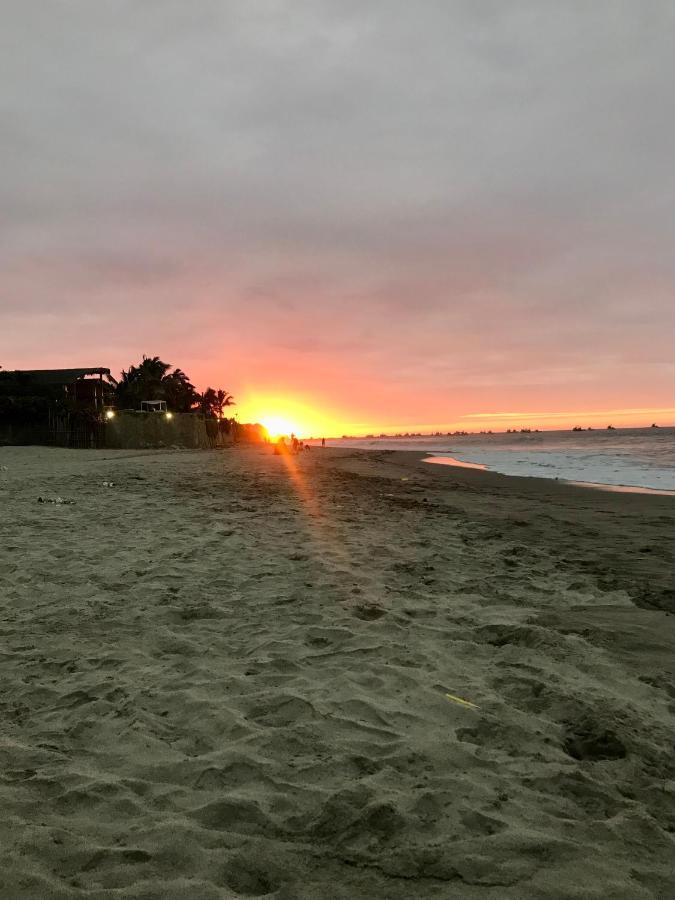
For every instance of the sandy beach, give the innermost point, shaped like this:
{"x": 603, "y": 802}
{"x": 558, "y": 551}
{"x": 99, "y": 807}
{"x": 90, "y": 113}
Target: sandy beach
{"x": 226, "y": 674}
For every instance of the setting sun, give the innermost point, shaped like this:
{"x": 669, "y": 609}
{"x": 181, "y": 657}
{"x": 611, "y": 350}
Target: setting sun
{"x": 278, "y": 426}
{"x": 283, "y": 414}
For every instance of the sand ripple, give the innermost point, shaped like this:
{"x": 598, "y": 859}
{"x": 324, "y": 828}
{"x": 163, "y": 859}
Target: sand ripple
{"x": 215, "y": 688}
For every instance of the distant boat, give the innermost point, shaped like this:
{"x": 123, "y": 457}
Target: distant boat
{"x": 610, "y": 428}
{"x": 654, "y": 425}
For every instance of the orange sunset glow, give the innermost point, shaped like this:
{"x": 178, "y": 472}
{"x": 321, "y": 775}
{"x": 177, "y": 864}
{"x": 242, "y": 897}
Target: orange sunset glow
{"x": 285, "y": 415}
{"x": 278, "y": 426}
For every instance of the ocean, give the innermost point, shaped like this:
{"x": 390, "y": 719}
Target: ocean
{"x": 642, "y": 458}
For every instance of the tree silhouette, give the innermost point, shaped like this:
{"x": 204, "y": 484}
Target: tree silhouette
{"x": 180, "y": 393}
{"x": 152, "y": 380}
{"x": 212, "y": 402}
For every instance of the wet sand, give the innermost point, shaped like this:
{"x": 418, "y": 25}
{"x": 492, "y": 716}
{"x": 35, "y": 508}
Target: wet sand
{"x": 234, "y": 675}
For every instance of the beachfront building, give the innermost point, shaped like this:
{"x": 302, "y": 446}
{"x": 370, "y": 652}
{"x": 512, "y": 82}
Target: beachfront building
{"x": 75, "y": 408}
{"x": 84, "y": 387}
{"x": 54, "y": 406}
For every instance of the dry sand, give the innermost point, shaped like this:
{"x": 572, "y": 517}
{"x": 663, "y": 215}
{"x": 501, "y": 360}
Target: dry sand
{"x": 227, "y": 677}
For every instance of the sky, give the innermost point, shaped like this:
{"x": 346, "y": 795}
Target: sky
{"x": 363, "y": 215}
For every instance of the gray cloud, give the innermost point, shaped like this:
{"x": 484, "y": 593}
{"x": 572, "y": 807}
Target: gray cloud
{"x": 384, "y": 183}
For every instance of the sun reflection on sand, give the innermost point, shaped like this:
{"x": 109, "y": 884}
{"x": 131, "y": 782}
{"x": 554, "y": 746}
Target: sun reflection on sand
{"x": 327, "y": 545}
{"x": 305, "y": 493}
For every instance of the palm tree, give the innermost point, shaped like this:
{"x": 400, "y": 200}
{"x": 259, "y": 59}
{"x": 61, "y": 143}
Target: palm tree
{"x": 213, "y": 402}
{"x": 151, "y": 380}
{"x": 180, "y": 393}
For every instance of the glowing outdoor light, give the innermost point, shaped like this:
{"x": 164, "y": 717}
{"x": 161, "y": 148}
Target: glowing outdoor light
{"x": 169, "y": 415}
{"x": 110, "y": 413}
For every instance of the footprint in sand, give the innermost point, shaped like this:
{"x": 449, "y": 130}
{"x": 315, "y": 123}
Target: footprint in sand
{"x": 251, "y": 877}
{"x": 588, "y": 740}
{"x": 369, "y": 612}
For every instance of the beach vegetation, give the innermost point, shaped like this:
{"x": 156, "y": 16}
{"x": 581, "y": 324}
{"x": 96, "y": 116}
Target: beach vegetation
{"x": 154, "y": 379}
{"x": 213, "y": 402}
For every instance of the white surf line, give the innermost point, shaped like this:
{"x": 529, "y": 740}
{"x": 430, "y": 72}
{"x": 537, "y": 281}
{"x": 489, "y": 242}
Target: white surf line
{"x": 621, "y": 488}
{"x": 599, "y": 486}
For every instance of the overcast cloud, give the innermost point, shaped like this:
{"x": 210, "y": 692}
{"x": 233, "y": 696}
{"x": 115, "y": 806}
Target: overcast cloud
{"x": 464, "y": 206}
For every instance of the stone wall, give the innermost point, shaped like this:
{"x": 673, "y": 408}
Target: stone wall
{"x": 23, "y": 434}
{"x": 137, "y": 430}
{"x": 128, "y": 429}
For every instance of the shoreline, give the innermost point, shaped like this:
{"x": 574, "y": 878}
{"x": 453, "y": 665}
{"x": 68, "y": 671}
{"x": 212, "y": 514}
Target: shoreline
{"x": 475, "y": 474}
{"x": 596, "y": 485}
{"x": 614, "y": 524}
{"x": 623, "y": 488}
{"x": 640, "y": 459}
